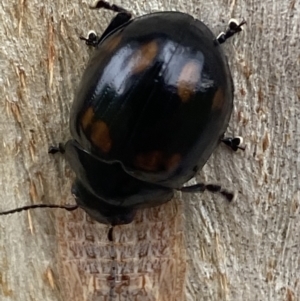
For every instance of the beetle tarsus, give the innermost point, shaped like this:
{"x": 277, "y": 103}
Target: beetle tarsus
{"x": 233, "y": 28}
{"x": 106, "y": 5}
{"x": 91, "y": 40}
{"x": 234, "y": 143}
{"x": 56, "y": 149}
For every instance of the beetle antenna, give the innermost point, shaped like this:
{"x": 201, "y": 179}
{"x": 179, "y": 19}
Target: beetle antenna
{"x": 200, "y": 187}
{"x": 66, "y": 207}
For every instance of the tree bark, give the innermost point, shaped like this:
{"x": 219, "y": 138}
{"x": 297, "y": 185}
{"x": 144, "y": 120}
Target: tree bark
{"x": 244, "y": 250}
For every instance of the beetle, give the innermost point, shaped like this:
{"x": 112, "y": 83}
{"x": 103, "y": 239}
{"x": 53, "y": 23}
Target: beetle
{"x": 153, "y": 104}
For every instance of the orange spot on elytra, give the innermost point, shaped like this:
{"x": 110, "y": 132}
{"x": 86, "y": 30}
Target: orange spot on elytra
{"x": 188, "y": 79}
{"x": 173, "y": 161}
{"x": 149, "y": 161}
{"x": 144, "y": 56}
{"x": 96, "y": 130}
{"x": 100, "y": 136}
{"x": 218, "y": 100}
{"x": 87, "y": 118}
{"x": 156, "y": 161}
{"x": 111, "y": 43}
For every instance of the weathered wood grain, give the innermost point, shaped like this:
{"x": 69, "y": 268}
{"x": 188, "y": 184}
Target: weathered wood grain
{"x": 247, "y": 250}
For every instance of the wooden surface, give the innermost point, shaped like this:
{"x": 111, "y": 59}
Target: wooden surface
{"x": 247, "y": 250}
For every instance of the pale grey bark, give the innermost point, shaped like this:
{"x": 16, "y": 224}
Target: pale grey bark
{"x": 247, "y": 250}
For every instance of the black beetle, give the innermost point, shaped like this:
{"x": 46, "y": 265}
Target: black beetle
{"x": 153, "y": 104}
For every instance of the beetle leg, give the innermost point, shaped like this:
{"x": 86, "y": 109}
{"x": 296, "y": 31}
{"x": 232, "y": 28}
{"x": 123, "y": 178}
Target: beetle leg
{"x": 233, "y": 28}
{"x": 117, "y": 21}
{"x": 200, "y": 187}
{"x": 234, "y": 143}
{"x": 121, "y": 18}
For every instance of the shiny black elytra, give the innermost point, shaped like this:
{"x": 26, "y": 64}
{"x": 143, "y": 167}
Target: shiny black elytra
{"x": 152, "y": 105}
